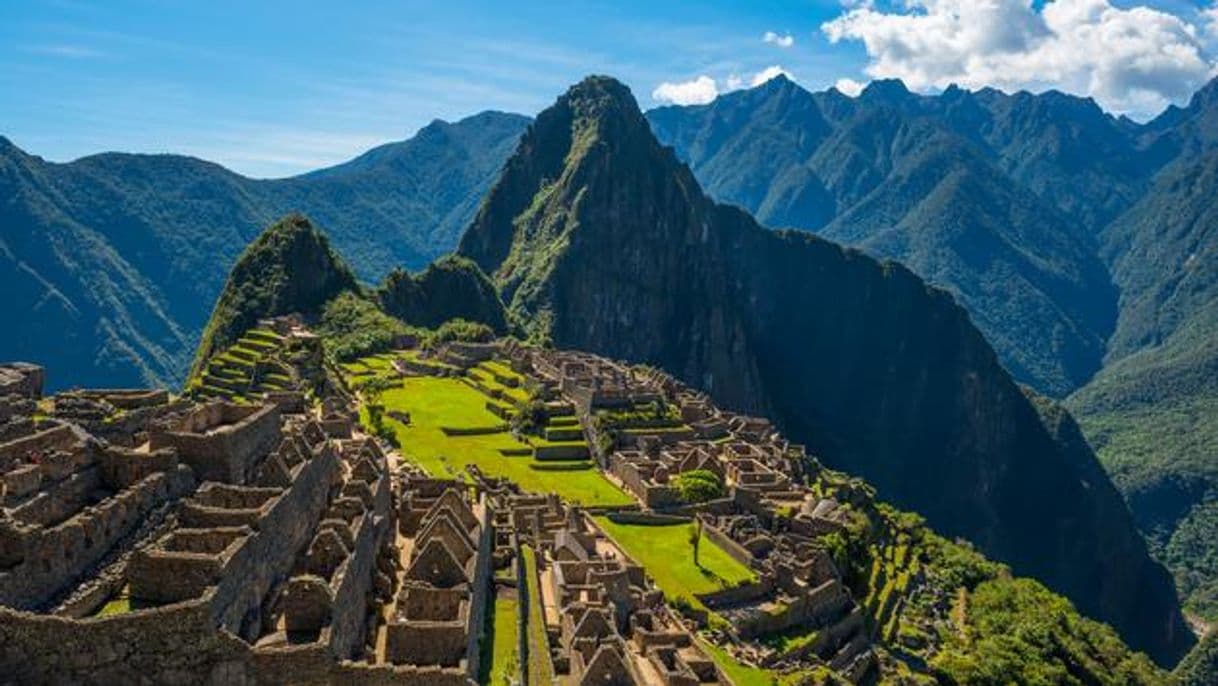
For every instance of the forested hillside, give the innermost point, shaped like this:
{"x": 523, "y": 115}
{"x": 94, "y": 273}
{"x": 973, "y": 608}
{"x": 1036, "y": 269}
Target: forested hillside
{"x": 113, "y": 255}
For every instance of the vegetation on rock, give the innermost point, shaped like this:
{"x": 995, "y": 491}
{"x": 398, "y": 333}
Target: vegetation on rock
{"x": 451, "y": 287}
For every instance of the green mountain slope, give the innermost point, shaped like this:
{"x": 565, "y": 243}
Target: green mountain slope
{"x": 602, "y": 240}
{"x": 1153, "y": 412}
{"x": 961, "y": 187}
{"x": 1200, "y": 668}
{"x": 113, "y": 253}
{"x": 449, "y": 288}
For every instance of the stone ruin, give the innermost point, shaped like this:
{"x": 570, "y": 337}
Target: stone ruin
{"x": 437, "y": 616}
{"x": 195, "y": 542}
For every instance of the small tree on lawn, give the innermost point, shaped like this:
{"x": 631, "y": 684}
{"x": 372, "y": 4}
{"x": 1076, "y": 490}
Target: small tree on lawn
{"x": 695, "y": 537}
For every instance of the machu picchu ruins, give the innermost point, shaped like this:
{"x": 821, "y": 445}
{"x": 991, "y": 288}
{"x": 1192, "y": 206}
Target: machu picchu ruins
{"x": 451, "y": 514}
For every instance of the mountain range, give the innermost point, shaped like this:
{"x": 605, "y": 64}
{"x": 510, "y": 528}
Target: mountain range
{"x": 117, "y": 257}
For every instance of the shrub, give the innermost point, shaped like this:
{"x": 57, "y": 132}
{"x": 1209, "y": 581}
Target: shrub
{"x": 531, "y": 419}
{"x": 462, "y": 330}
{"x": 353, "y": 327}
{"x": 698, "y": 486}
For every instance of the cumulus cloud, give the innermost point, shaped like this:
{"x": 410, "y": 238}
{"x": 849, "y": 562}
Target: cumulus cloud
{"x": 1132, "y": 60}
{"x": 703, "y": 89}
{"x": 768, "y": 73}
{"x": 782, "y": 41}
{"x": 697, "y": 91}
{"x": 850, "y": 87}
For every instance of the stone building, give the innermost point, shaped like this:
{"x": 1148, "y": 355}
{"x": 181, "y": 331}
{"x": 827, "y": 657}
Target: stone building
{"x": 438, "y": 613}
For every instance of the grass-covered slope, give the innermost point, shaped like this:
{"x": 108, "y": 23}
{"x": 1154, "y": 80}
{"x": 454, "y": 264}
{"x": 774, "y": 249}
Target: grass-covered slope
{"x": 290, "y": 268}
{"x": 110, "y": 256}
{"x": 603, "y": 240}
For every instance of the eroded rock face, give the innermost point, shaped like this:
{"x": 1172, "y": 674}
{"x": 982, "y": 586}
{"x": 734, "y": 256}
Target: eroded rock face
{"x": 604, "y": 241}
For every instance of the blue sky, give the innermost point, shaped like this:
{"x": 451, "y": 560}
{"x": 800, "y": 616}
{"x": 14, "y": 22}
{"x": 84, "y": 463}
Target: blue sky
{"x": 277, "y": 88}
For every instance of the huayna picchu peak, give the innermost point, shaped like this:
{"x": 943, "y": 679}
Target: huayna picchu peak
{"x": 602, "y": 240}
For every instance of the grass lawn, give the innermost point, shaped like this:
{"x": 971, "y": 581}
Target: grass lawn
{"x": 745, "y": 675}
{"x": 499, "y": 658}
{"x": 435, "y": 402}
{"x": 541, "y": 670}
{"x": 666, "y": 553}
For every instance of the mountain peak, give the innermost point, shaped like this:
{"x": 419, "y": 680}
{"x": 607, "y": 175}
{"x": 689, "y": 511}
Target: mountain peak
{"x": 289, "y": 268}
{"x": 886, "y": 90}
{"x": 601, "y": 99}
{"x": 1206, "y": 97}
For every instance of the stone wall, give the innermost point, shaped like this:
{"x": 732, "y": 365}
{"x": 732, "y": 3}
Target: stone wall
{"x": 53, "y": 558}
{"x": 222, "y": 441}
{"x": 176, "y": 645}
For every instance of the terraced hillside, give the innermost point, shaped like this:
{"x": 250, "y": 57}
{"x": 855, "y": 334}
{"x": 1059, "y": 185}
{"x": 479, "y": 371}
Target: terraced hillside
{"x": 247, "y": 370}
{"x": 901, "y": 602}
{"x": 446, "y": 420}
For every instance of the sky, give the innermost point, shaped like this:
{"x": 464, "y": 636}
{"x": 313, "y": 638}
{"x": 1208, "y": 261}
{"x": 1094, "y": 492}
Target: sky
{"x": 272, "y": 88}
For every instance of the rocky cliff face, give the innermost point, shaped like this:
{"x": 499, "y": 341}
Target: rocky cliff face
{"x": 601, "y": 239}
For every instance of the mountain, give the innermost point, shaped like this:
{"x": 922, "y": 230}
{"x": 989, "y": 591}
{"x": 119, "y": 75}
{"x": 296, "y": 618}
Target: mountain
{"x": 289, "y": 268}
{"x": 965, "y": 188}
{"x": 112, "y": 254}
{"x": 1152, "y": 413}
{"x": 451, "y": 287}
{"x": 601, "y": 239}
{"x": 1080, "y": 244}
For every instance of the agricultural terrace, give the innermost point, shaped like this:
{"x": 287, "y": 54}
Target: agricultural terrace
{"x": 450, "y": 427}
{"x": 666, "y": 551}
{"x": 540, "y": 670}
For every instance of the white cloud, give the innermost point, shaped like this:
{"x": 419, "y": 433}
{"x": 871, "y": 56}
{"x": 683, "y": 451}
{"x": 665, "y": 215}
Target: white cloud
{"x": 703, "y": 89}
{"x": 698, "y": 91}
{"x": 769, "y": 73}
{"x": 1132, "y": 60}
{"x": 782, "y": 41}
{"x": 850, "y": 87}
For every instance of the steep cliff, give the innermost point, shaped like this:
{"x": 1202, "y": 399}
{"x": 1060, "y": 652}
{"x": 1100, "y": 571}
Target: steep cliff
{"x": 602, "y": 240}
